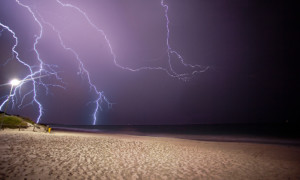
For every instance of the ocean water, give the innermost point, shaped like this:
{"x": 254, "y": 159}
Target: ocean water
{"x": 251, "y": 133}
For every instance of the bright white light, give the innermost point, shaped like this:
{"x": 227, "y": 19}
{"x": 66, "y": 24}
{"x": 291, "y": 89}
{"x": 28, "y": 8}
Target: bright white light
{"x": 15, "y": 82}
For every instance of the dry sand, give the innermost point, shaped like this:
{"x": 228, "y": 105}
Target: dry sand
{"x": 65, "y": 155}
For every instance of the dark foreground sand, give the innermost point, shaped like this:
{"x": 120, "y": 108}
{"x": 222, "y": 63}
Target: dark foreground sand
{"x": 65, "y": 155}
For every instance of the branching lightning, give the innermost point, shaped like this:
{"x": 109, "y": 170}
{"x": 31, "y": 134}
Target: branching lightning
{"x": 35, "y": 75}
{"x": 83, "y": 71}
{"x": 43, "y": 69}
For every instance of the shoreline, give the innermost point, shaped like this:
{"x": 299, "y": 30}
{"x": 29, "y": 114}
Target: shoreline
{"x": 256, "y": 139}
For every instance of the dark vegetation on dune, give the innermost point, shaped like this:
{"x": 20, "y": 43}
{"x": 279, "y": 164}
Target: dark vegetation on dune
{"x": 14, "y": 121}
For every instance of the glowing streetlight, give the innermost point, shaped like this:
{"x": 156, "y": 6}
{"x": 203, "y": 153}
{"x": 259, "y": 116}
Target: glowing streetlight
{"x": 13, "y": 82}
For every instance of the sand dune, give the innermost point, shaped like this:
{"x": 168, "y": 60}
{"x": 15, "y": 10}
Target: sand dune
{"x": 60, "y": 155}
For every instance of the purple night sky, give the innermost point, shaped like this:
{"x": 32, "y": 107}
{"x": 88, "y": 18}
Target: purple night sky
{"x": 248, "y": 47}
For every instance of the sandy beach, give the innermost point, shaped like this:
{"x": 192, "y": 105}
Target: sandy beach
{"x": 71, "y": 155}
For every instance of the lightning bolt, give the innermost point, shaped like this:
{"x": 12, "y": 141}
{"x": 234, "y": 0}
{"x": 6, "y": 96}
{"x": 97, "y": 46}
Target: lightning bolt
{"x": 83, "y": 71}
{"x": 32, "y": 74}
{"x": 169, "y": 70}
{"x": 31, "y": 77}
{"x": 196, "y": 68}
{"x": 35, "y": 76}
